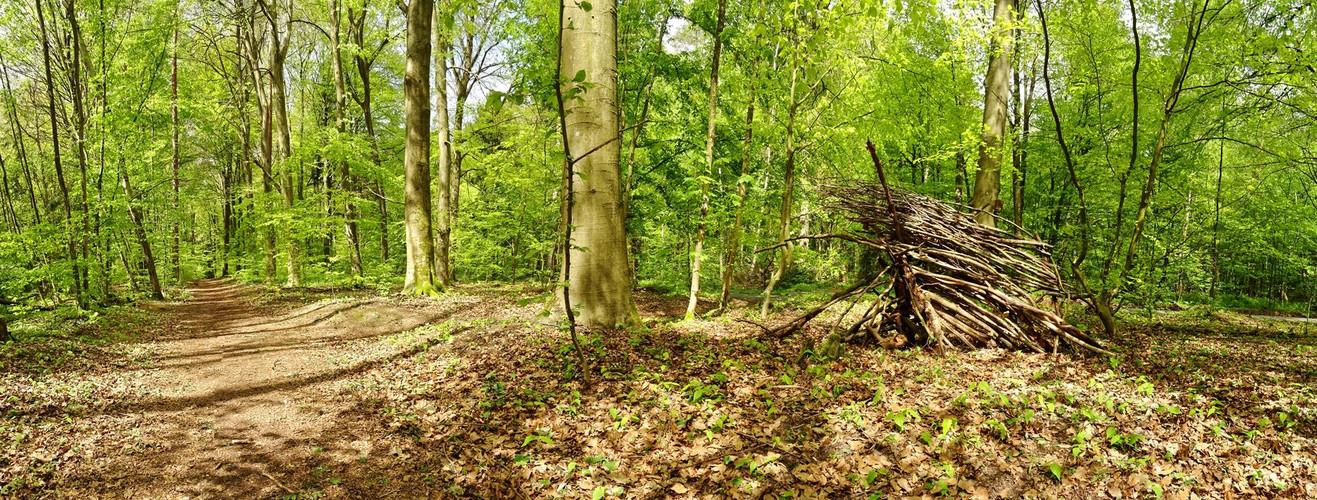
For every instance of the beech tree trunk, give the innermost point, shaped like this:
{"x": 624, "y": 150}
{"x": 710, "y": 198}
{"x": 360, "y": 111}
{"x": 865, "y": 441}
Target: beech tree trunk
{"x": 600, "y": 285}
{"x": 987, "y": 181}
{"x": 697, "y": 256}
{"x": 139, "y": 231}
{"x": 416, "y": 158}
{"x": 443, "y": 204}
{"x": 357, "y": 28}
{"x": 279, "y": 102}
{"x": 175, "y": 257}
{"x": 346, "y": 182}
{"x": 732, "y": 248}
{"x": 788, "y": 188}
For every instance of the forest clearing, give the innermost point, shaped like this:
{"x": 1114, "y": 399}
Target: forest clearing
{"x": 304, "y": 249}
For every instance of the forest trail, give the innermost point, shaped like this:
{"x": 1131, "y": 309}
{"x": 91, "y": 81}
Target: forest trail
{"x": 245, "y": 398}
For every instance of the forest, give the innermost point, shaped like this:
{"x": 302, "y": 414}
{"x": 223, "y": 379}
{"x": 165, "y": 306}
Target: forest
{"x": 658, "y": 248}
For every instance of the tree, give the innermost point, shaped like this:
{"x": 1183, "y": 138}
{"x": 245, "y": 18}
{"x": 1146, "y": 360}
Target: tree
{"x": 600, "y": 284}
{"x": 279, "y": 43}
{"x": 697, "y": 256}
{"x": 443, "y": 247}
{"x": 345, "y": 178}
{"x": 59, "y": 169}
{"x": 996, "y": 94}
{"x": 420, "y": 279}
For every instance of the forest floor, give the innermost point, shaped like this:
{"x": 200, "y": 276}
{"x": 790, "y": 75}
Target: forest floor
{"x": 240, "y": 393}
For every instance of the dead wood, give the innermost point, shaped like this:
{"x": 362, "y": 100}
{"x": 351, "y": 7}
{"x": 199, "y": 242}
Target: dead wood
{"x": 954, "y": 283}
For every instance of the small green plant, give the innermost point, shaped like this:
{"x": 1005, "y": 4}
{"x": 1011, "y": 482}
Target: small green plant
{"x": 1284, "y": 422}
{"x": 1145, "y": 387}
{"x": 1127, "y": 441}
{"x": 900, "y": 418}
{"x": 697, "y": 391}
{"x": 541, "y": 436}
{"x": 1080, "y": 443}
{"x": 997, "y": 428}
{"x": 1055, "y": 470}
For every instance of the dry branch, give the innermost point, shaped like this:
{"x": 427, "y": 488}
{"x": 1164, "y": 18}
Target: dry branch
{"x": 954, "y": 282}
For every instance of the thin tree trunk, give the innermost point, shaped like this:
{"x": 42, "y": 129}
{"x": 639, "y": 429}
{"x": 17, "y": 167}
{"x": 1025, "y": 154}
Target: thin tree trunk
{"x": 1216, "y": 205}
{"x": 175, "y": 254}
{"x": 357, "y": 27}
{"x": 347, "y": 184}
{"x": 1168, "y": 111}
{"x": 732, "y": 248}
{"x": 1100, "y": 306}
{"x": 6, "y": 199}
{"x": 80, "y": 141}
{"x": 278, "y": 101}
{"x": 17, "y": 130}
{"x": 697, "y": 256}
{"x": 443, "y": 260}
{"x": 59, "y": 167}
{"x": 139, "y": 230}
{"x": 788, "y": 186}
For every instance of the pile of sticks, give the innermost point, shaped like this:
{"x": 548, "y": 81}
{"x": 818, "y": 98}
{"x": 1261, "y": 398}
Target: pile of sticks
{"x": 949, "y": 281}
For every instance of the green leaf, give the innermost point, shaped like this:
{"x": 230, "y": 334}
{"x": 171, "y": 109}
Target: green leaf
{"x": 586, "y": 6}
{"x": 580, "y": 77}
{"x": 599, "y": 492}
{"x": 1055, "y": 469}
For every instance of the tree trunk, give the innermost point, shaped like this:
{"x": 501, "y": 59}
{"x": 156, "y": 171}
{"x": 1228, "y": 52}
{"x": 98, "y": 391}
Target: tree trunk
{"x": 263, "y": 102}
{"x": 59, "y": 167}
{"x": 75, "y": 68}
{"x": 732, "y": 248}
{"x": 278, "y": 101}
{"x": 1168, "y": 111}
{"x": 346, "y": 182}
{"x": 987, "y": 181}
{"x": 17, "y": 130}
{"x": 6, "y": 200}
{"x": 416, "y": 158}
{"x": 697, "y": 256}
{"x": 176, "y": 260}
{"x": 357, "y": 28}
{"x": 788, "y": 186}
{"x": 598, "y": 277}
{"x": 139, "y": 230}
{"x": 443, "y": 260}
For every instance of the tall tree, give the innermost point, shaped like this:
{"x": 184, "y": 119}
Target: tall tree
{"x": 443, "y": 203}
{"x": 280, "y": 38}
{"x": 364, "y": 62}
{"x": 600, "y": 285}
{"x": 732, "y": 247}
{"x": 711, "y": 135}
{"x": 420, "y": 277}
{"x": 175, "y": 256}
{"x": 59, "y": 168}
{"x": 996, "y": 94}
{"x": 347, "y": 183}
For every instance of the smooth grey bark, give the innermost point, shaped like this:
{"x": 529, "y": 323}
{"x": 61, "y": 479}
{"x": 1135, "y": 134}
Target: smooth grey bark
{"x": 416, "y": 157}
{"x": 987, "y": 180}
{"x": 711, "y": 136}
{"x": 443, "y": 201}
{"x": 600, "y": 285}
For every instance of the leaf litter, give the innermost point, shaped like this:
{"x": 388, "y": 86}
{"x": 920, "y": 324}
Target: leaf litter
{"x": 488, "y": 402}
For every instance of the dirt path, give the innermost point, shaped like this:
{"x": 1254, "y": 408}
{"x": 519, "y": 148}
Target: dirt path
{"x": 247, "y": 399}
